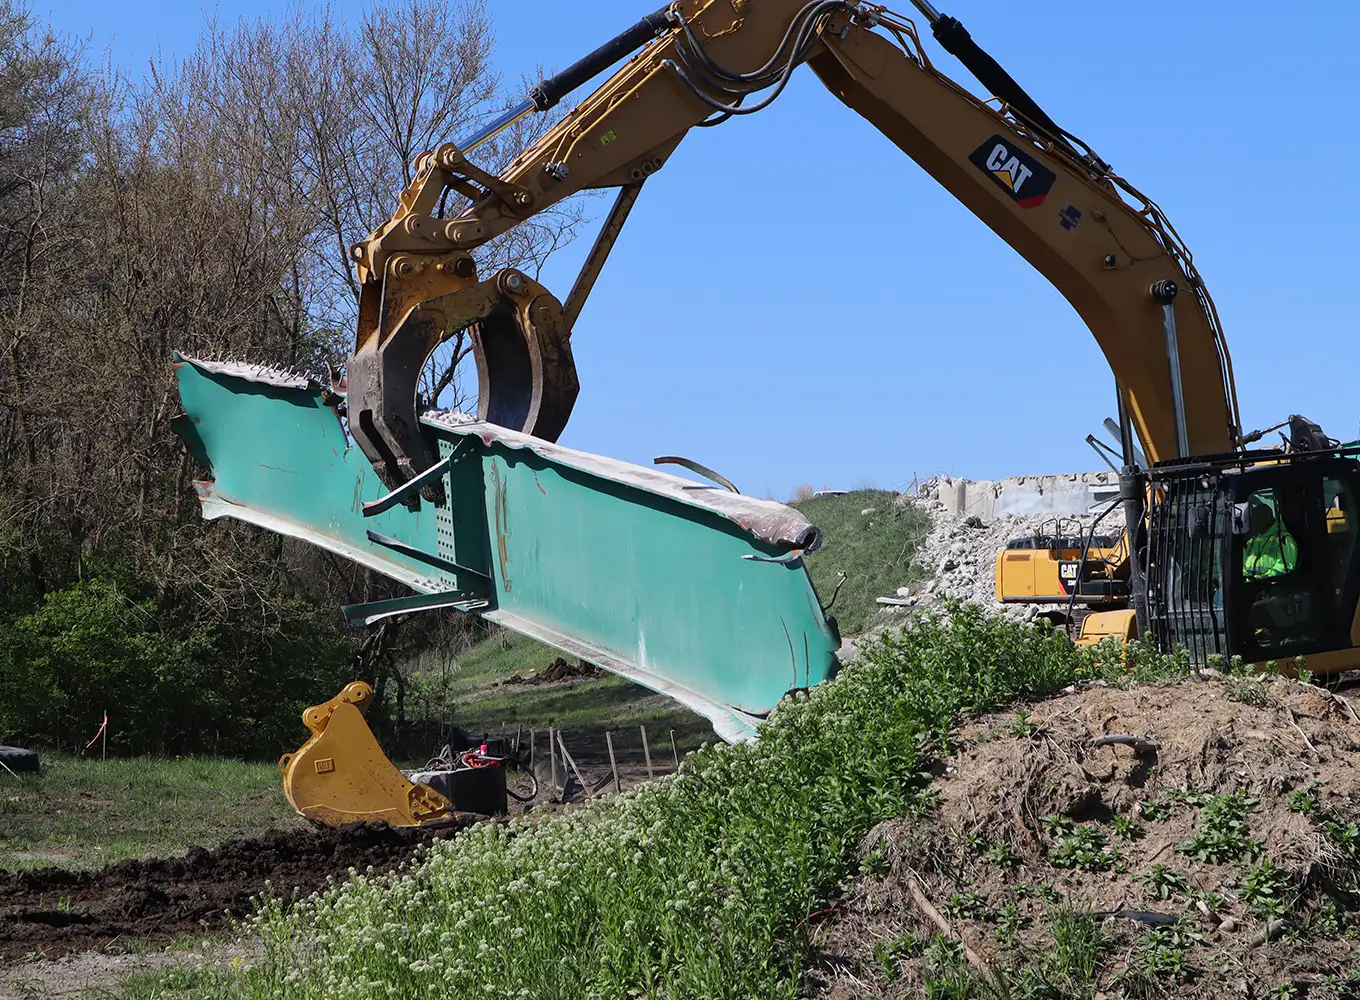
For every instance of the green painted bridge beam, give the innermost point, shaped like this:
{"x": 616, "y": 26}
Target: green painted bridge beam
{"x": 697, "y": 594}
{"x": 363, "y": 615}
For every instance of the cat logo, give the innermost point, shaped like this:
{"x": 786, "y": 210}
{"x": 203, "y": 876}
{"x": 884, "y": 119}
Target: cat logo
{"x": 1026, "y": 180}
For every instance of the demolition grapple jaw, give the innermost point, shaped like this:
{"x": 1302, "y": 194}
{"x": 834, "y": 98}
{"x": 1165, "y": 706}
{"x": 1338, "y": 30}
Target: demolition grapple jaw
{"x": 520, "y": 341}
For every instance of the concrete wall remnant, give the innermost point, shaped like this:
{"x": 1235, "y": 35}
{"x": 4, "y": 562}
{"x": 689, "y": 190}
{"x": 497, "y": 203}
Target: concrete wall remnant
{"x": 1065, "y": 494}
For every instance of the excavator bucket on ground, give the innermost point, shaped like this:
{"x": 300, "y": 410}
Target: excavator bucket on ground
{"x": 341, "y": 774}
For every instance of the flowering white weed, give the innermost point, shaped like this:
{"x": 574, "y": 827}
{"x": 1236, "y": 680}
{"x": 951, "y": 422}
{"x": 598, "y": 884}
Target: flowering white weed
{"x": 694, "y": 886}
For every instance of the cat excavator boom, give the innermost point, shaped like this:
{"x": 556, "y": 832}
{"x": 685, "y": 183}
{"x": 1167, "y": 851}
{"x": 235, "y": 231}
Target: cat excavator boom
{"x": 700, "y": 63}
{"x": 1231, "y": 552}
{"x": 1105, "y": 246}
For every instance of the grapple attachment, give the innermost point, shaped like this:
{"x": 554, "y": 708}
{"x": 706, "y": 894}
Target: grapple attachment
{"x": 342, "y": 776}
{"x": 525, "y": 373}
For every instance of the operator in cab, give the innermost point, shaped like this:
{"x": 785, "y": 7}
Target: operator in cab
{"x": 1271, "y": 550}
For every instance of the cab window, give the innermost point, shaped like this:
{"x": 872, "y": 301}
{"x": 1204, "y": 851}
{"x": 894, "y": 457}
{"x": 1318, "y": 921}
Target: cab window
{"x": 1283, "y": 616}
{"x": 1339, "y": 513}
{"x": 1271, "y": 550}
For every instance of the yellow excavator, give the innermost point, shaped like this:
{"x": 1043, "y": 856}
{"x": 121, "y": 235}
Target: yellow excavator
{"x": 1195, "y": 508}
{"x": 1067, "y": 564}
{"x": 703, "y": 63}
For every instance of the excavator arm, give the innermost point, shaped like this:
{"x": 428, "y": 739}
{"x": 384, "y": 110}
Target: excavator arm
{"x": 525, "y": 522}
{"x": 1109, "y": 250}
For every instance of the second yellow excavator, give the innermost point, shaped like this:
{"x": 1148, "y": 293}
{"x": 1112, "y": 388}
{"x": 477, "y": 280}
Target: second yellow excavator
{"x": 1067, "y": 564}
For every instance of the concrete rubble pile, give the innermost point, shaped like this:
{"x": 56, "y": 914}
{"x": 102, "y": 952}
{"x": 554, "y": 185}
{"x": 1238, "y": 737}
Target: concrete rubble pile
{"x": 958, "y": 557}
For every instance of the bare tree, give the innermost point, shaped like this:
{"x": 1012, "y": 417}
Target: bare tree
{"x": 408, "y": 80}
{"x": 42, "y": 93}
{"x": 208, "y": 208}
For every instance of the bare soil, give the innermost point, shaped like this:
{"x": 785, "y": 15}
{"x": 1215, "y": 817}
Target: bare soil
{"x": 101, "y": 975}
{"x": 556, "y": 672}
{"x": 989, "y": 859}
{"x": 52, "y": 912}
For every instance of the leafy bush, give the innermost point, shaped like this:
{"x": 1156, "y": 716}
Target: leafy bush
{"x": 1082, "y": 847}
{"x": 90, "y": 647}
{"x": 696, "y": 886}
{"x": 1265, "y": 887}
{"x": 1222, "y": 834}
{"x": 82, "y": 650}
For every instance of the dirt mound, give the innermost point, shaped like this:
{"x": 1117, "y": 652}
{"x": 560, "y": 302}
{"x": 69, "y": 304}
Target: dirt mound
{"x": 54, "y": 912}
{"x": 1211, "y": 849}
{"x": 557, "y": 672}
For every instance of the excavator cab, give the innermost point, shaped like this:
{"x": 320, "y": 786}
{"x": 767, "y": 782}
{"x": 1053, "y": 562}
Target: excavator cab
{"x": 1254, "y": 556}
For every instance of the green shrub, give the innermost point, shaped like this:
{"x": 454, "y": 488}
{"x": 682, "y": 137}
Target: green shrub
{"x": 86, "y": 648}
{"x": 90, "y": 648}
{"x": 1222, "y": 834}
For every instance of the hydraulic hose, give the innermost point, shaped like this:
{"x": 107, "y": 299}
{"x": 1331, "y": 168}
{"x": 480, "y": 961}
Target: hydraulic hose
{"x": 955, "y": 39}
{"x": 768, "y": 72}
{"x": 808, "y": 34}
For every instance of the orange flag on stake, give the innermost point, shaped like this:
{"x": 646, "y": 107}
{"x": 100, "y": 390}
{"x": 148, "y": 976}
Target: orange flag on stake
{"x": 102, "y": 726}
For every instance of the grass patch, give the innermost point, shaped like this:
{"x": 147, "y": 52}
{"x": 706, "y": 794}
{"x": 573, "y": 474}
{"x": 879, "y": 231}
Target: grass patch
{"x": 1077, "y": 943}
{"x": 160, "y": 985}
{"x": 472, "y": 693}
{"x": 699, "y": 885}
{"x": 465, "y": 677}
{"x": 84, "y": 813}
{"x": 583, "y": 706}
{"x": 81, "y": 813}
{"x": 874, "y": 550}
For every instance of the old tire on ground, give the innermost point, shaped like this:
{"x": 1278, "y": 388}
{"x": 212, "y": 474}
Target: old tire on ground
{"x": 19, "y": 761}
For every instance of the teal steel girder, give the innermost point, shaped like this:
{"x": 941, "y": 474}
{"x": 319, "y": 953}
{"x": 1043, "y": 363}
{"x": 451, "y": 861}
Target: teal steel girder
{"x": 694, "y": 592}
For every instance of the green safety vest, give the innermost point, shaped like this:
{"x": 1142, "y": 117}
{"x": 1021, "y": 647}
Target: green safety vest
{"x": 1273, "y": 554}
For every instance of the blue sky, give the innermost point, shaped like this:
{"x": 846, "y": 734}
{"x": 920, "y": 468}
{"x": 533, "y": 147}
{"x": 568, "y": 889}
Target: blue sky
{"x": 795, "y": 301}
